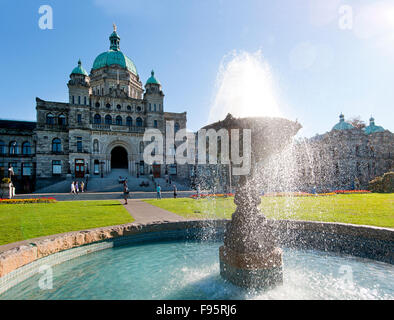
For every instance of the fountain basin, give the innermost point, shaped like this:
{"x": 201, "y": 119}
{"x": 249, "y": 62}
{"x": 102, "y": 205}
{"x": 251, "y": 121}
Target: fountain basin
{"x": 309, "y": 247}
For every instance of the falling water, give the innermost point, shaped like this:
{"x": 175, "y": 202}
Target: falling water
{"x": 245, "y": 87}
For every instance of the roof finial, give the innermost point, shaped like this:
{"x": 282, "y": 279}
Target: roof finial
{"x": 114, "y": 25}
{"x": 79, "y": 62}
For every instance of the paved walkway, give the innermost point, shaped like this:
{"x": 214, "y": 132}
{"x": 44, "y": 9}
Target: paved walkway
{"x": 144, "y": 212}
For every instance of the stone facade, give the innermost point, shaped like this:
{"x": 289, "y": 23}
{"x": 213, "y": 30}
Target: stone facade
{"x": 344, "y": 158}
{"x": 106, "y": 116}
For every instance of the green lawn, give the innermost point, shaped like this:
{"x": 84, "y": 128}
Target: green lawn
{"x": 367, "y": 209}
{"x": 26, "y": 221}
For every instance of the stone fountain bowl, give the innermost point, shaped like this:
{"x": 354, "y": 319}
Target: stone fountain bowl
{"x": 268, "y": 135}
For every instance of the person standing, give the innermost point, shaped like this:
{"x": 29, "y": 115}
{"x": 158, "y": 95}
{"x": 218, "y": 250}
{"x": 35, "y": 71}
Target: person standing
{"x": 82, "y": 186}
{"x": 158, "y": 189}
{"x": 125, "y": 192}
{"x": 76, "y": 187}
{"x": 175, "y": 191}
{"x": 72, "y": 187}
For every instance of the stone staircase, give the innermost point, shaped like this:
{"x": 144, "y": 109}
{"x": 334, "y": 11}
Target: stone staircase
{"x": 110, "y": 183}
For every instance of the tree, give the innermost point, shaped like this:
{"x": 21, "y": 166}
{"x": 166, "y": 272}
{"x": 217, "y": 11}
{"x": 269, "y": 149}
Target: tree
{"x": 357, "y": 122}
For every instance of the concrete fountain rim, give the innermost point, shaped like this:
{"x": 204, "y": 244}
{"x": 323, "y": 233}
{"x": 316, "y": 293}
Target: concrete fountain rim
{"x": 111, "y": 232}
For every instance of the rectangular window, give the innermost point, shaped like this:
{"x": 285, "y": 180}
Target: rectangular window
{"x": 79, "y": 99}
{"x": 84, "y": 101}
{"x": 155, "y": 123}
{"x": 79, "y": 144}
{"x": 79, "y": 118}
{"x": 73, "y": 100}
{"x": 56, "y": 167}
{"x": 27, "y": 169}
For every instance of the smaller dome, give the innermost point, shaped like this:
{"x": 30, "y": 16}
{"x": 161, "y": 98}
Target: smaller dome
{"x": 342, "y": 125}
{"x": 152, "y": 79}
{"x": 372, "y": 128}
{"x": 79, "y": 69}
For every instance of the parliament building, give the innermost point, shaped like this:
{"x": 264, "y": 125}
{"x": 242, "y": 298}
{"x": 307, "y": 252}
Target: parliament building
{"x": 101, "y": 127}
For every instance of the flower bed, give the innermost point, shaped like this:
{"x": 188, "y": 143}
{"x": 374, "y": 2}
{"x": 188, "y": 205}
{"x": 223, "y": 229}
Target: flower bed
{"x": 24, "y": 201}
{"x": 351, "y": 191}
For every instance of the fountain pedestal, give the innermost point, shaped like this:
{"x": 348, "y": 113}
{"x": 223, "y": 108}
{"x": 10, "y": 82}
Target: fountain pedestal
{"x": 249, "y": 257}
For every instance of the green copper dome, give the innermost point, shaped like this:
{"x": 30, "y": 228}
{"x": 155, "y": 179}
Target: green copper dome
{"x": 114, "y": 56}
{"x": 152, "y": 79}
{"x": 372, "y": 128}
{"x": 79, "y": 69}
{"x": 342, "y": 125}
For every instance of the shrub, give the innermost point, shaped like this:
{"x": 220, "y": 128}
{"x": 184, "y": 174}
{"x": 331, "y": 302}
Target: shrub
{"x": 383, "y": 184}
{"x": 6, "y": 180}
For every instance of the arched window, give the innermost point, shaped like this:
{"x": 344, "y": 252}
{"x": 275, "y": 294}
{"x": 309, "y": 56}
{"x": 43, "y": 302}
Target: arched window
{"x": 97, "y": 119}
{"x": 129, "y": 108}
{"x": 119, "y": 106}
{"x": 50, "y": 118}
{"x": 97, "y": 104}
{"x": 108, "y": 119}
{"x": 155, "y": 123}
{"x": 138, "y": 122}
{"x": 118, "y": 120}
{"x": 129, "y": 121}
{"x": 2, "y": 147}
{"x": 56, "y": 145}
{"x": 176, "y": 127}
{"x": 108, "y": 106}
{"x": 138, "y": 109}
{"x": 26, "y": 148}
{"x": 62, "y": 120}
{"x": 13, "y": 147}
{"x": 95, "y": 145}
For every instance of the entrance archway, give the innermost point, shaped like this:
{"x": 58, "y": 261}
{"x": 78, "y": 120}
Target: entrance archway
{"x": 119, "y": 158}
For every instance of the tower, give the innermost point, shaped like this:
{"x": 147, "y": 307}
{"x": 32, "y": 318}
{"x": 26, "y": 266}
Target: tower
{"x": 79, "y": 86}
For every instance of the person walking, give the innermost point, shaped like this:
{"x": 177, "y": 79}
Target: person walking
{"x": 158, "y": 189}
{"x": 76, "y": 187}
{"x": 175, "y": 191}
{"x": 72, "y": 187}
{"x": 82, "y": 186}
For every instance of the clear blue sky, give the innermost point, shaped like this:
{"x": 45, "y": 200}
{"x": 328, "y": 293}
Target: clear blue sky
{"x": 317, "y": 69}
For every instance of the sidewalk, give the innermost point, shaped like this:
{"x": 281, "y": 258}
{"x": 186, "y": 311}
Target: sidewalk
{"x": 144, "y": 212}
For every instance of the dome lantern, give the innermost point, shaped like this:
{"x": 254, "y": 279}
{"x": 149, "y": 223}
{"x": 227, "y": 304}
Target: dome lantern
{"x": 114, "y": 40}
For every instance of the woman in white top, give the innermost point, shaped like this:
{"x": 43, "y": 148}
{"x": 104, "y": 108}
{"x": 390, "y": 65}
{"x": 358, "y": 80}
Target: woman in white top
{"x": 72, "y": 187}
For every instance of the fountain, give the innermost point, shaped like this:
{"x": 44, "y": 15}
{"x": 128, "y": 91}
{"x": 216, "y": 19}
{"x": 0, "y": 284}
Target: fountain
{"x": 250, "y": 257}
